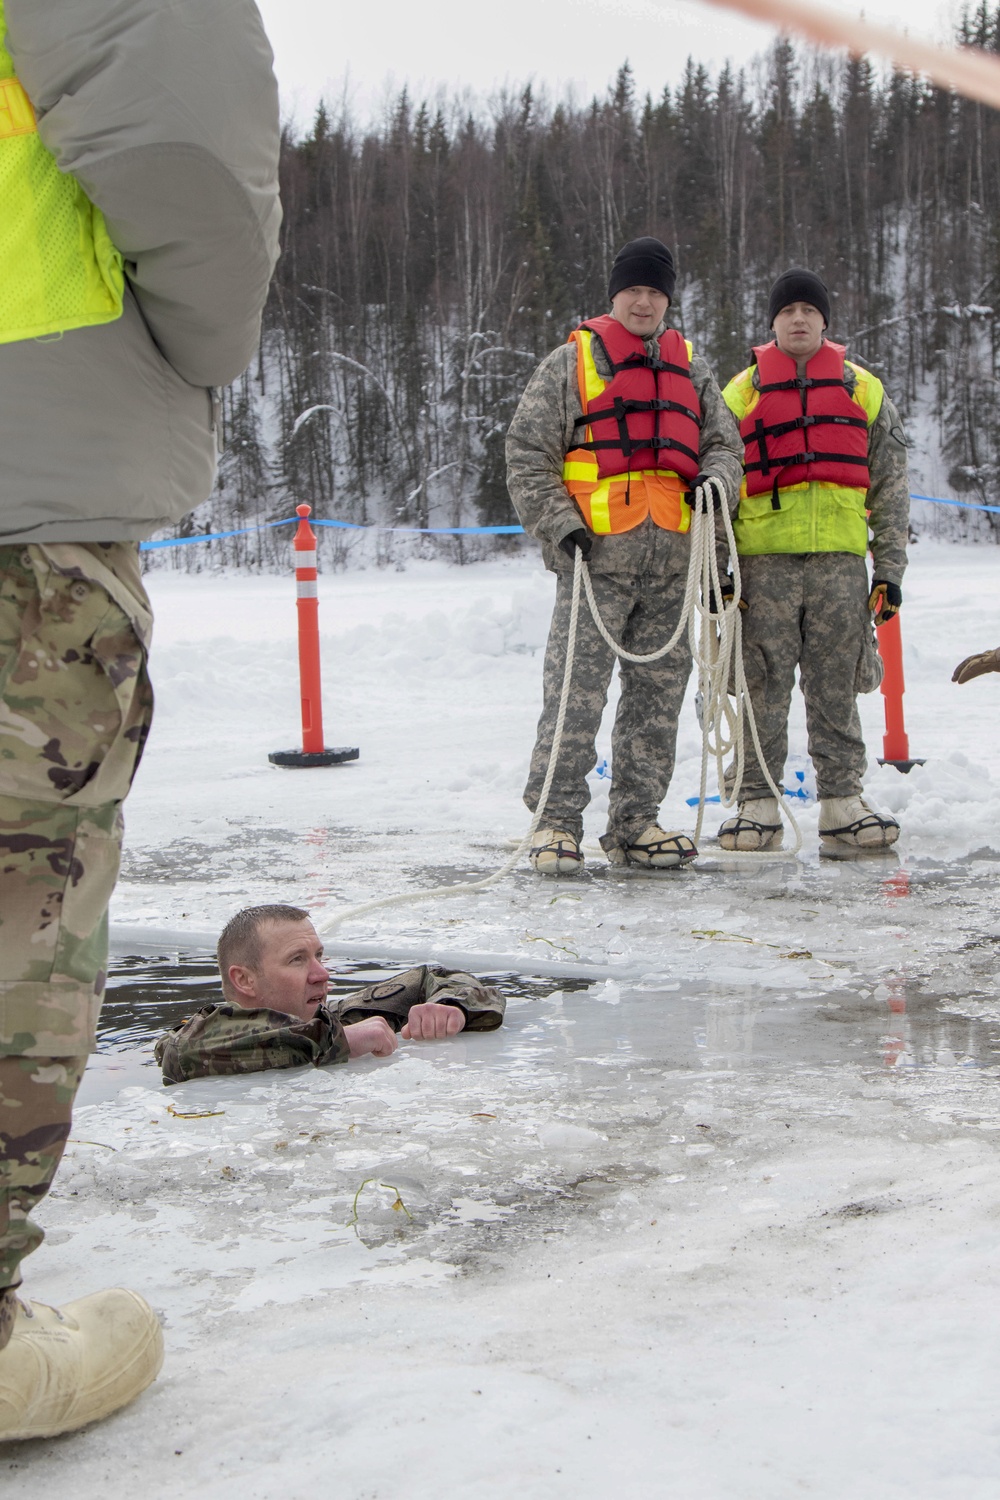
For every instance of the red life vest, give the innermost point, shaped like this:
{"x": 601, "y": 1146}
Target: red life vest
{"x": 648, "y": 416}
{"x": 804, "y": 429}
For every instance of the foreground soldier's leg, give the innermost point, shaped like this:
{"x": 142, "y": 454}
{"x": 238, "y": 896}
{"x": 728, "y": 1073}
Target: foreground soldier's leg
{"x": 75, "y": 713}
{"x": 592, "y": 667}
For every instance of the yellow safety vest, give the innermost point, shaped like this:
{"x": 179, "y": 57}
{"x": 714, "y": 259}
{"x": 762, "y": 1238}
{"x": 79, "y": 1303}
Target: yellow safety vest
{"x": 815, "y": 516}
{"x": 58, "y": 267}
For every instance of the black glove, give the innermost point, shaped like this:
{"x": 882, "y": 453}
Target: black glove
{"x": 577, "y": 541}
{"x": 884, "y": 600}
{"x": 715, "y": 491}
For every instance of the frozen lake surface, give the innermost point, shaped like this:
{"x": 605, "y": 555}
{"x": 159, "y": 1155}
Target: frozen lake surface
{"x": 722, "y": 1226}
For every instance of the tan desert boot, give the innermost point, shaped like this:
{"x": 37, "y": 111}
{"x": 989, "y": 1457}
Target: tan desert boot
{"x": 63, "y": 1368}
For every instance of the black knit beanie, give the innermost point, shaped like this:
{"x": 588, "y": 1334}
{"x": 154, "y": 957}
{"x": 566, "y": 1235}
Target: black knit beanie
{"x": 643, "y": 262}
{"x": 798, "y": 285}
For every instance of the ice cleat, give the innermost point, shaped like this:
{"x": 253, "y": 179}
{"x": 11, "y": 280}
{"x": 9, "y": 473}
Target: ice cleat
{"x": 655, "y": 849}
{"x": 850, "y": 821}
{"x": 757, "y": 825}
{"x": 63, "y": 1368}
{"x": 555, "y": 852}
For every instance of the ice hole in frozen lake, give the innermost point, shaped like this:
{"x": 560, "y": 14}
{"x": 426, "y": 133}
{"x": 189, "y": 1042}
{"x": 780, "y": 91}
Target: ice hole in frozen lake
{"x": 574, "y": 1031}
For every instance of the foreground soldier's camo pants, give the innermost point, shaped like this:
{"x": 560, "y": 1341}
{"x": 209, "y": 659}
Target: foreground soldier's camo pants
{"x": 75, "y": 707}
{"x": 808, "y": 611}
{"x": 641, "y": 612}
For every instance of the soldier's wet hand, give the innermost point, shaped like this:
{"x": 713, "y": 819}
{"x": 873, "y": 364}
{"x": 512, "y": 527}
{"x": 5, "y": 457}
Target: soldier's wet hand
{"x": 975, "y": 666}
{"x": 373, "y": 1035}
{"x": 884, "y": 600}
{"x": 432, "y": 1023}
{"x": 577, "y": 541}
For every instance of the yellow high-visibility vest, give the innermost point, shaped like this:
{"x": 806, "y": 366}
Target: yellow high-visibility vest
{"x": 815, "y": 516}
{"x": 58, "y": 267}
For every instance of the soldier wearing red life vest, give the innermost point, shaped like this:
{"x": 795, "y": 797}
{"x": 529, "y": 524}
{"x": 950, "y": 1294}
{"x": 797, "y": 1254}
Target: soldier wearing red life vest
{"x": 614, "y": 429}
{"x": 824, "y": 460}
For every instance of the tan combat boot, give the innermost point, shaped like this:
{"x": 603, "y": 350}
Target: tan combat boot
{"x": 656, "y": 850}
{"x": 63, "y": 1368}
{"x": 849, "y": 820}
{"x": 757, "y": 825}
{"x": 555, "y": 852}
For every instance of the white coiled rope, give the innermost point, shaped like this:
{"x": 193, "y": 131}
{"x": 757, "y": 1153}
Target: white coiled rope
{"x": 715, "y": 637}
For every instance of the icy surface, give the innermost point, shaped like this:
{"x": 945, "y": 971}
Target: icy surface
{"x": 723, "y": 1226}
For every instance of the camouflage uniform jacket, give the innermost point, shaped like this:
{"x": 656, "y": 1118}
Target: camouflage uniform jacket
{"x": 888, "y": 499}
{"x": 542, "y": 433}
{"x": 225, "y": 1038}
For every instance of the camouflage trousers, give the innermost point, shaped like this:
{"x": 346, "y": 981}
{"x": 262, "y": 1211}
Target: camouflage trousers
{"x": 808, "y": 611}
{"x": 641, "y": 612}
{"x": 75, "y": 708}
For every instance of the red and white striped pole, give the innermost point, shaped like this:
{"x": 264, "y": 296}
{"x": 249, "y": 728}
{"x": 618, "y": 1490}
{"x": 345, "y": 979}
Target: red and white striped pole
{"x": 313, "y": 752}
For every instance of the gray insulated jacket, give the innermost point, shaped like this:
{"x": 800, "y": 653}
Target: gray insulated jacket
{"x": 166, "y": 112}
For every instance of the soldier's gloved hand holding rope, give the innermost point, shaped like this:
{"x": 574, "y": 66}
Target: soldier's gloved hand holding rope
{"x": 713, "y": 491}
{"x": 577, "y": 541}
{"x": 884, "y": 600}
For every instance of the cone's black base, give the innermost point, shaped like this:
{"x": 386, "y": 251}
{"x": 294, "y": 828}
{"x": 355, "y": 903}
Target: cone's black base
{"x": 299, "y": 758}
{"x": 906, "y": 766}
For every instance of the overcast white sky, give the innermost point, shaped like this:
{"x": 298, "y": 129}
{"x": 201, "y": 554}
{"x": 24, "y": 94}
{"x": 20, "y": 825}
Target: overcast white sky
{"x": 321, "y": 47}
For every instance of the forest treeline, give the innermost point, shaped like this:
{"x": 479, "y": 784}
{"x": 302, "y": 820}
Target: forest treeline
{"x": 430, "y": 262}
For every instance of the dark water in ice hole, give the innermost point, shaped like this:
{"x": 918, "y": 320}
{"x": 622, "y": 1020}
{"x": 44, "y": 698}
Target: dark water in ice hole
{"x": 147, "y": 995}
{"x": 694, "y": 1026}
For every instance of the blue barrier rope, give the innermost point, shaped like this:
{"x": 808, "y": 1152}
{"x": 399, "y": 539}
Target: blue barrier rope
{"x": 218, "y": 536}
{"x": 965, "y": 504}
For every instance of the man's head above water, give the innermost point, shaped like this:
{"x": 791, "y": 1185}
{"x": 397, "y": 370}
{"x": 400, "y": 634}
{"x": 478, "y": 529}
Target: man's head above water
{"x": 271, "y": 958}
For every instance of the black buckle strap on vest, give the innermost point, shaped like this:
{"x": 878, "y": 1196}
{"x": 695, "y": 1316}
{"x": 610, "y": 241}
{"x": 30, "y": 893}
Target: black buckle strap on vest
{"x": 782, "y": 429}
{"x": 621, "y": 410}
{"x": 658, "y": 444}
{"x": 793, "y": 459}
{"x": 760, "y": 437}
{"x": 644, "y": 362}
{"x": 803, "y": 383}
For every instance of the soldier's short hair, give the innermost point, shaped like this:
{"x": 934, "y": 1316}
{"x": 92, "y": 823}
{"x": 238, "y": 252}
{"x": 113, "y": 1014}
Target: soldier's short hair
{"x": 240, "y": 939}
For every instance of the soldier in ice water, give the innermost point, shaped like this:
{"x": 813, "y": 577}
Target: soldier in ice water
{"x": 274, "y": 1012}
{"x": 139, "y": 221}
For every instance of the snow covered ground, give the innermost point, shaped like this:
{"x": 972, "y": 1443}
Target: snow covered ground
{"x": 722, "y": 1226}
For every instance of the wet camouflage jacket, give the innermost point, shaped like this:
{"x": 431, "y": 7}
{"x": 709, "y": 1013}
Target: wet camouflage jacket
{"x": 225, "y": 1038}
{"x": 542, "y": 433}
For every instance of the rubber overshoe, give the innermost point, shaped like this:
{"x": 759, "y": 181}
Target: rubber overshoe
{"x": 656, "y": 849}
{"x": 65, "y": 1367}
{"x": 757, "y": 825}
{"x": 850, "y": 821}
{"x": 555, "y": 852}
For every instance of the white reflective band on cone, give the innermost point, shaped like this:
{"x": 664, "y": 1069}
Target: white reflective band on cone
{"x": 305, "y": 559}
{"x": 306, "y": 588}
